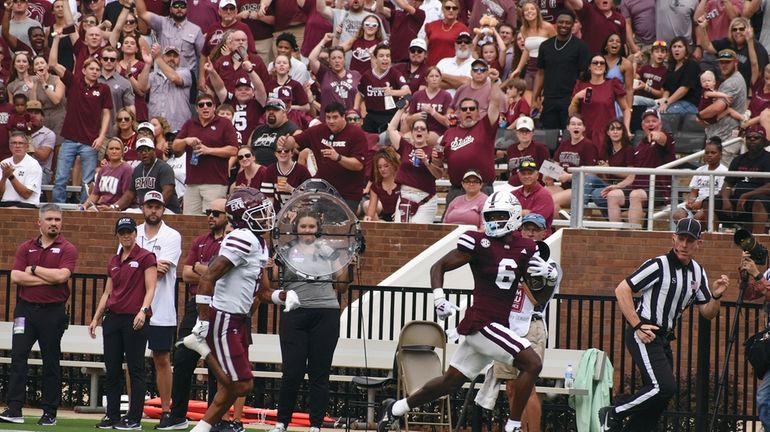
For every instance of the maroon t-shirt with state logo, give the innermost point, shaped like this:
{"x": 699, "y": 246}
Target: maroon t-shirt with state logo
{"x": 224, "y": 67}
{"x": 652, "y": 76}
{"x": 337, "y": 89}
{"x": 291, "y": 92}
{"x": 415, "y": 176}
{"x": 361, "y": 55}
{"x": 259, "y": 30}
{"x": 60, "y": 254}
{"x": 127, "y": 276}
{"x": 349, "y": 142}
{"x": 574, "y": 155}
{"x": 246, "y": 117}
{"x": 203, "y": 249}
{"x": 215, "y": 33}
{"x": 441, "y": 103}
{"x": 414, "y": 79}
{"x": 535, "y": 151}
{"x": 84, "y": 108}
{"x": 372, "y": 88}
{"x": 470, "y": 149}
{"x": 218, "y": 133}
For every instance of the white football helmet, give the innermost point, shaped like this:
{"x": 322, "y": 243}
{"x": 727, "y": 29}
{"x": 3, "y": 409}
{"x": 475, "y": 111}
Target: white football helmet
{"x": 503, "y": 202}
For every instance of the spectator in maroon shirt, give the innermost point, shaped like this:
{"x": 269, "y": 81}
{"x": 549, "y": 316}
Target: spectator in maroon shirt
{"x": 603, "y": 187}
{"x": 377, "y": 91}
{"x": 359, "y": 48}
{"x": 260, "y": 18}
{"x": 759, "y": 105}
{"x": 228, "y": 21}
{"x": 339, "y": 150}
{"x": 282, "y": 86}
{"x": 650, "y": 77}
{"x": 238, "y": 63}
{"x": 415, "y": 68}
{"x": 384, "y": 192}
{"x": 431, "y": 103}
{"x": 601, "y": 18}
{"x": 471, "y": 144}
{"x": 574, "y": 151}
{"x": 533, "y": 197}
{"x": 405, "y": 23}
{"x": 337, "y": 84}
{"x": 209, "y": 141}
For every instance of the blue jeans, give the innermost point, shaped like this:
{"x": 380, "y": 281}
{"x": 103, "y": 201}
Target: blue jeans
{"x": 682, "y": 107}
{"x": 593, "y": 192}
{"x": 763, "y": 401}
{"x": 67, "y": 153}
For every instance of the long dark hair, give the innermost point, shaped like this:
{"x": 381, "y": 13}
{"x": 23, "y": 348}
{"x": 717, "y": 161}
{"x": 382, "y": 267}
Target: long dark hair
{"x": 687, "y": 51}
{"x": 625, "y": 140}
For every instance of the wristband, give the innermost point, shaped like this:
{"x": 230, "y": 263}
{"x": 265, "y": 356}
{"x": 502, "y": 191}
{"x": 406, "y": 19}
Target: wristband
{"x": 193, "y": 268}
{"x": 276, "y": 297}
{"x": 716, "y": 298}
{"x": 339, "y": 157}
{"x": 438, "y": 294}
{"x": 639, "y": 326}
{"x": 32, "y": 269}
{"x": 202, "y": 299}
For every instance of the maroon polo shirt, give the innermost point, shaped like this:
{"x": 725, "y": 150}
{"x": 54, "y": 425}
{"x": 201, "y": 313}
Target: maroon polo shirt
{"x": 127, "y": 276}
{"x": 215, "y": 33}
{"x": 539, "y": 201}
{"x": 349, "y": 142}
{"x": 82, "y": 53}
{"x": 203, "y": 249}
{"x": 84, "y": 108}
{"x": 218, "y": 133}
{"x": 601, "y": 26}
{"x": 472, "y": 148}
{"x": 372, "y": 87}
{"x": 649, "y": 155}
{"x": 60, "y": 254}
{"x": 258, "y": 29}
{"x": 224, "y": 67}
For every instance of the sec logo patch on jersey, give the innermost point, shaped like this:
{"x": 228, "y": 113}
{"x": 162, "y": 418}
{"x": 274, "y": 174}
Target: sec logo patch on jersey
{"x": 485, "y": 243}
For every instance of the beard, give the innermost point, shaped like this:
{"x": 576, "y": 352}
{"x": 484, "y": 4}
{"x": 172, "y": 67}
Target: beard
{"x": 463, "y": 54}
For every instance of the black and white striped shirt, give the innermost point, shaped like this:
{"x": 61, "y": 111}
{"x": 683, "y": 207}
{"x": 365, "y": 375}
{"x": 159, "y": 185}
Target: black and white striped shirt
{"x": 668, "y": 288}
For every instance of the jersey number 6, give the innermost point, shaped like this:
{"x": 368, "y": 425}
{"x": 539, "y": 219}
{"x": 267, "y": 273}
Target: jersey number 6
{"x": 506, "y": 273}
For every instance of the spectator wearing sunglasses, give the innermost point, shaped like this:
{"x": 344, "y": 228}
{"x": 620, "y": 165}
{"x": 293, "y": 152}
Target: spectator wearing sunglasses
{"x": 120, "y": 88}
{"x": 532, "y": 195}
{"x": 229, "y": 20}
{"x": 209, "y": 141}
{"x": 277, "y": 124}
{"x": 152, "y": 174}
{"x": 721, "y": 13}
{"x": 456, "y": 71}
{"x": 466, "y": 210}
{"x": 470, "y": 145}
{"x": 250, "y": 172}
{"x": 169, "y": 85}
{"x": 282, "y": 177}
{"x": 415, "y": 68}
{"x": 176, "y": 30}
{"x": 480, "y": 87}
{"x": 751, "y": 55}
{"x": 527, "y": 149}
{"x": 443, "y": 33}
{"x": 406, "y": 20}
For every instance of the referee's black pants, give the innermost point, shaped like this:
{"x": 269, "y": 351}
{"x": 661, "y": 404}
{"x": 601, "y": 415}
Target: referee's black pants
{"x": 656, "y": 363}
{"x": 44, "y": 324}
{"x": 185, "y": 361}
{"x": 122, "y": 341}
{"x": 308, "y": 339}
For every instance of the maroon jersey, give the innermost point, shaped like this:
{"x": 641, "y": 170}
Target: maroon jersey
{"x": 653, "y": 77}
{"x": 84, "y": 108}
{"x": 414, "y": 79}
{"x": 60, "y": 254}
{"x": 337, "y": 89}
{"x": 441, "y": 103}
{"x": 127, "y": 276}
{"x": 361, "y": 55}
{"x": 349, "y": 142}
{"x": 224, "y": 67}
{"x": 372, "y": 88}
{"x": 497, "y": 264}
{"x": 535, "y": 151}
{"x": 260, "y": 30}
{"x": 203, "y": 249}
{"x": 255, "y": 182}
{"x": 291, "y": 92}
{"x": 414, "y": 174}
{"x": 470, "y": 148}
{"x": 215, "y": 33}
{"x": 219, "y": 132}
{"x": 295, "y": 176}
{"x": 246, "y": 117}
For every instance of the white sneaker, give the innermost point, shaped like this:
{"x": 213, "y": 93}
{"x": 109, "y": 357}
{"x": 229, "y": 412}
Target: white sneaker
{"x": 279, "y": 427}
{"x": 197, "y": 344}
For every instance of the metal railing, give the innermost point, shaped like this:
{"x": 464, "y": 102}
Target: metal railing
{"x": 577, "y": 322}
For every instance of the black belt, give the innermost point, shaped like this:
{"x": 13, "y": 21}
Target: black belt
{"x": 42, "y": 305}
{"x": 665, "y": 334}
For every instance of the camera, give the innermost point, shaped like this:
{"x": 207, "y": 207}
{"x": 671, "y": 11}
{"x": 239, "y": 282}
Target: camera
{"x": 746, "y": 241}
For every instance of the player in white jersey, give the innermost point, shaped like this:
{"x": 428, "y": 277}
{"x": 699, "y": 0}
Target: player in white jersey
{"x": 221, "y": 335}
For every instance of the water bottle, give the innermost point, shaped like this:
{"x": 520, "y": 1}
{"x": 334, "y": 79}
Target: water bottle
{"x": 503, "y": 122}
{"x": 569, "y": 378}
{"x": 194, "y": 158}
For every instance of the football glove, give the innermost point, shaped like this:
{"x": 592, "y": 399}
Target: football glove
{"x": 540, "y": 267}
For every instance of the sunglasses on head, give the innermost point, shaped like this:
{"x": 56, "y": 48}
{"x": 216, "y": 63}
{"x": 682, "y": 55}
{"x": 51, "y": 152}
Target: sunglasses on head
{"x": 528, "y": 164}
{"x": 215, "y": 213}
{"x": 416, "y": 50}
{"x": 660, "y": 43}
{"x": 468, "y": 108}
{"x": 244, "y": 156}
{"x": 207, "y": 104}
{"x": 179, "y": 5}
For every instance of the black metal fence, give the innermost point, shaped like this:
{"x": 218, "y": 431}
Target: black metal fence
{"x": 577, "y": 322}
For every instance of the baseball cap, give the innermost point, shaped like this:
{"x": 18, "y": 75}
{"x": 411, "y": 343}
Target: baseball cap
{"x": 463, "y": 36}
{"x": 726, "y": 55}
{"x": 534, "y": 218}
{"x": 528, "y": 165}
{"x": 34, "y": 105}
{"x": 243, "y": 82}
{"x": 125, "y": 223}
{"x": 753, "y": 129}
{"x": 178, "y": 1}
{"x": 144, "y": 142}
{"x": 419, "y": 43}
{"x": 651, "y": 111}
{"x": 170, "y": 48}
{"x": 153, "y": 196}
{"x": 689, "y": 227}
{"x": 275, "y": 103}
{"x": 224, "y": 3}
{"x": 479, "y": 61}
{"x": 525, "y": 122}
{"x": 472, "y": 173}
{"x": 146, "y": 125}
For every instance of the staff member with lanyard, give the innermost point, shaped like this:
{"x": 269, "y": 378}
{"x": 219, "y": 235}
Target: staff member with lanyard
{"x": 666, "y": 280}
{"x": 123, "y": 311}
{"x": 41, "y": 272}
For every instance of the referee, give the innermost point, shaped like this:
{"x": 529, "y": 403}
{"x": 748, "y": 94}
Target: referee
{"x": 669, "y": 284}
